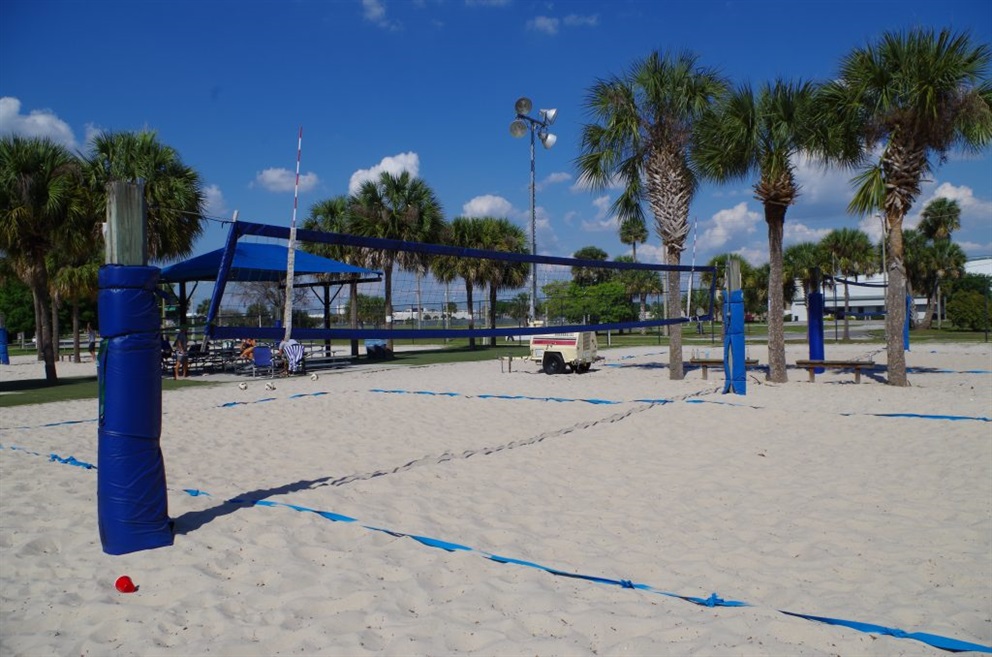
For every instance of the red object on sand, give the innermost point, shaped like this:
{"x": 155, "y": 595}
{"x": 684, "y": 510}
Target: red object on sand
{"x": 125, "y": 585}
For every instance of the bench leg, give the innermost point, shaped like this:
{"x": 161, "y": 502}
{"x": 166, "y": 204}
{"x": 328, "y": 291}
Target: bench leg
{"x": 857, "y": 375}
{"x": 705, "y": 372}
{"x": 812, "y": 374}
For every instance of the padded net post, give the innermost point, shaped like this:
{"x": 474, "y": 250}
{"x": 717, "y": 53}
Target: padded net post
{"x": 734, "y": 366}
{"x": 132, "y": 503}
{"x": 814, "y": 305}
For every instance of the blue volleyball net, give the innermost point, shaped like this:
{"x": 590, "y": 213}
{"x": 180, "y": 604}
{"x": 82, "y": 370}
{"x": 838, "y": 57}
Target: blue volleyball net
{"x": 399, "y": 289}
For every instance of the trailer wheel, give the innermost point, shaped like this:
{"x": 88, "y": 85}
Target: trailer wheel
{"x": 554, "y": 364}
{"x": 582, "y": 368}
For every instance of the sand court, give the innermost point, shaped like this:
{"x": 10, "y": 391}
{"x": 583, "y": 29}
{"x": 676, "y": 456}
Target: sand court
{"x": 859, "y": 502}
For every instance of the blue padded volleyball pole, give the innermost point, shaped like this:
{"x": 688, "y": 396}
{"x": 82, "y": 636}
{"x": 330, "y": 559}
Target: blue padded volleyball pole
{"x": 132, "y": 503}
{"x": 734, "y": 356}
{"x": 814, "y": 307}
{"x": 734, "y": 368}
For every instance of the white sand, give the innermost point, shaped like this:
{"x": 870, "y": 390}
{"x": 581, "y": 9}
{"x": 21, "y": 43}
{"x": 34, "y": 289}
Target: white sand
{"x": 794, "y": 497}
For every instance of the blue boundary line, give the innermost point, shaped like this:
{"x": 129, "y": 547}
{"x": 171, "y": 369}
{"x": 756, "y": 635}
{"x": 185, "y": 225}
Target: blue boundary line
{"x": 431, "y": 393}
{"x": 935, "y": 640}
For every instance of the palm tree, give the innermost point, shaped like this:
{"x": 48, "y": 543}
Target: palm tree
{"x": 916, "y": 94}
{"x": 77, "y": 283}
{"x": 747, "y": 275}
{"x": 641, "y": 136}
{"x": 333, "y": 216}
{"x": 915, "y": 256}
{"x": 940, "y": 218}
{"x": 761, "y": 135}
{"x": 590, "y": 275}
{"x": 803, "y": 262}
{"x": 639, "y": 283}
{"x": 330, "y": 216}
{"x": 851, "y": 254}
{"x": 465, "y": 232}
{"x": 173, "y": 191}
{"x": 39, "y": 202}
{"x": 399, "y": 208}
{"x": 633, "y": 232}
{"x": 501, "y": 234}
{"x": 942, "y": 259}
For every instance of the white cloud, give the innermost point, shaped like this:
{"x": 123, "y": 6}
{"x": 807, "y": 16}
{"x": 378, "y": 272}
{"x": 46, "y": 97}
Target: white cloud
{"x": 551, "y": 25}
{"x": 602, "y": 205}
{"x": 214, "y": 203}
{"x": 756, "y": 256}
{"x": 374, "y": 11}
{"x": 796, "y": 232}
{"x": 278, "y": 179}
{"x": 965, "y": 197}
{"x": 649, "y": 252}
{"x": 574, "y": 20}
{"x": 547, "y": 239}
{"x": 603, "y": 221}
{"x": 488, "y": 206}
{"x": 544, "y": 24}
{"x": 818, "y": 183}
{"x": 553, "y": 179}
{"x": 727, "y": 226}
{"x": 395, "y": 164}
{"x": 37, "y": 123}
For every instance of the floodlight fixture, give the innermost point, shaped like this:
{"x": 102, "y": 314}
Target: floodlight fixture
{"x": 518, "y": 127}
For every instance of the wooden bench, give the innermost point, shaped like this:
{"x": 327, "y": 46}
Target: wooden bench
{"x": 856, "y": 365}
{"x": 706, "y": 363}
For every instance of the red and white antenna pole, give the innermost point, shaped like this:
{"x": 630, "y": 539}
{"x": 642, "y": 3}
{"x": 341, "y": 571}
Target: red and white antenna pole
{"x": 287, "y": 319}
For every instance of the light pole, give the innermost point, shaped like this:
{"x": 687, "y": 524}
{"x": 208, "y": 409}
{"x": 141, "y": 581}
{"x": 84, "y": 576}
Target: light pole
{"x": 518, "y": 128}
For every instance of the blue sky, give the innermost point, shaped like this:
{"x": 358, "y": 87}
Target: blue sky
{"x": 430, "y": 86}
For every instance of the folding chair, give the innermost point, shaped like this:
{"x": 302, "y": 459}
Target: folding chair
{"x": 261, "y": 361}
{"x": 293, "y": 353}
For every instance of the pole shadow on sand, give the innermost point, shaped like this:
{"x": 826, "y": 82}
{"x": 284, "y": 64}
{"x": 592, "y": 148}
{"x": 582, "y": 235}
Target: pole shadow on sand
{"x": 193, "y": 520}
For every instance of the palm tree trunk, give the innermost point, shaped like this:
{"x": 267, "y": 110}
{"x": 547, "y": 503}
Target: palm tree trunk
{"x": 353, "y": 314}
{"x": 387, "y": 273}
{"x": 39, "y": 281}
{"x": 676, "y": 370}
{"x": 75, "y": 332}
{"x": 775, "y": 218}
{"x": 37, "y": 322}
{"x": 895, "y": 304}
{"x": 847, "y": 312}
{"x": 56, "y": 329}
{"x": 471, "y": 314}
{"x": 492, "y": 313}
{"x": 927, "y": 321}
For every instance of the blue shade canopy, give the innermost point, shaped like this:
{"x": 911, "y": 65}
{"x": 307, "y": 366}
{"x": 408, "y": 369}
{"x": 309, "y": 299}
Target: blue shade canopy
{"x": 256, "y": 262}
